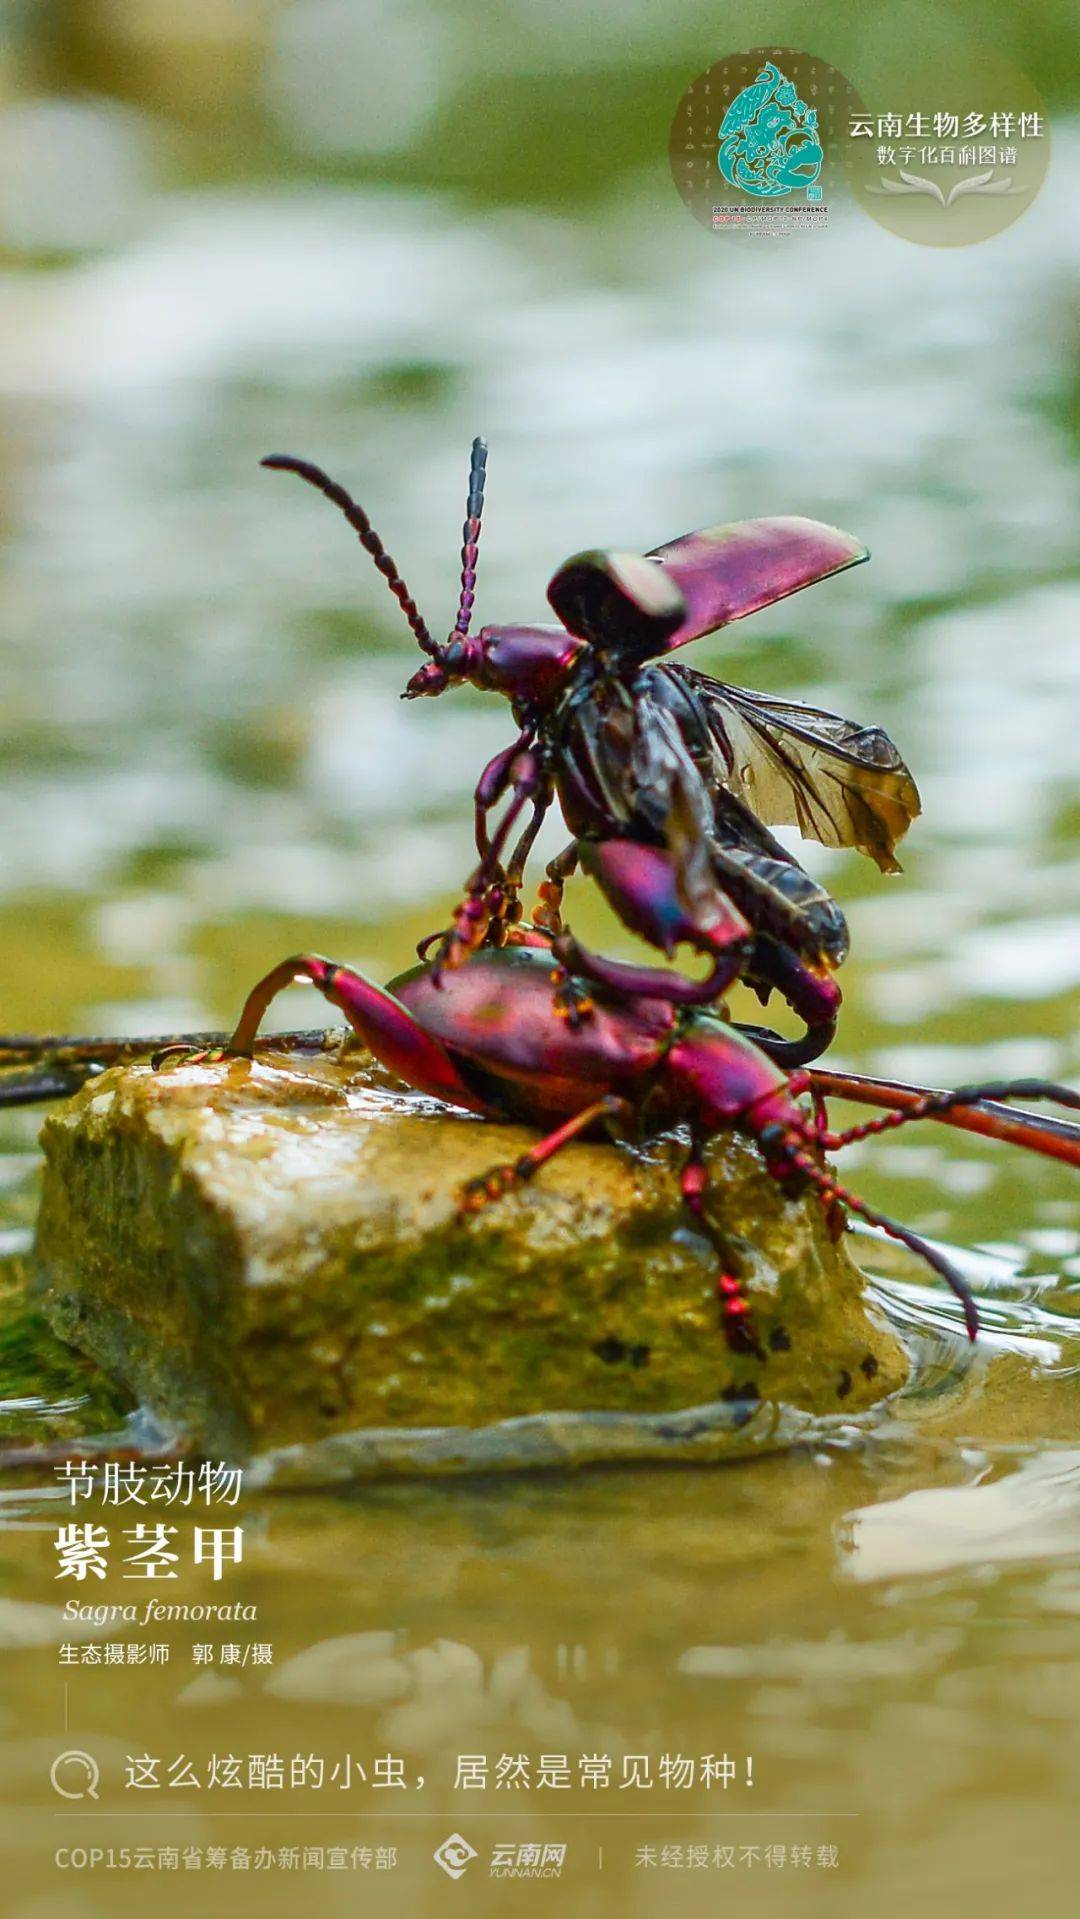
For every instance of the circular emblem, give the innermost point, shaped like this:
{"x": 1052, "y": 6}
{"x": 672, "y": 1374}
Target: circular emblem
{"x": 757, "y": 143}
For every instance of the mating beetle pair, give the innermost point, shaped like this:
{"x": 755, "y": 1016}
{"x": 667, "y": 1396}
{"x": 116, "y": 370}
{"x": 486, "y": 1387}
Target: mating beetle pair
{"x": 662, "y": 775}
{"x": 668, "y": 781}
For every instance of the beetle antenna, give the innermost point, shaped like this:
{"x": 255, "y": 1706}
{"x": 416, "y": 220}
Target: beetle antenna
{"x": 470, "y": 534}
{"x": 829, "y": 1189}
{"x": 938, "y": 1105}
{"x": 369, "y": 539}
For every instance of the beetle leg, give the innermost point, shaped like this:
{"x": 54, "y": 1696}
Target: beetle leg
{"x": 548, "y": 909}
{"x": 386, "y": 1027}
{"x": 975, "y": 1109}
{"x": 818, "y": 1136}
{"x": 571, "y": 1000}
{"x": 485, "y": 899}
{"x": 794, "y": 1164}
{"x": 642, "y": 884}
{"x": 507, "y": 910}
{"x": 736, "y": 1318}
{"x": 794, "y": 1152}
{"x": 517, "y": 935}
{"x": 790, "y": 1053}
{"x": 645, "y": 887}
{"x": 650, "y": 982}
{"x": 491, "y": 786}
{"x": 520, "y": 770}
{"x": 810, "y": 991}
{"x": 515, "y": 872}
{"x": 424, "y": 946}
{"x": 479, "y": 1192}
{"x": 648, "y": 889}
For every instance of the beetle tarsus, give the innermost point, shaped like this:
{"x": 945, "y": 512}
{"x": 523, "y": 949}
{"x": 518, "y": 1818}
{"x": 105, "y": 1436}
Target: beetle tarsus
{"x": 798, "y": 1164}
{"x": 484, "y": 1188}
{"x": 572, "y": 1000}
{"x": 736, "y": 1317}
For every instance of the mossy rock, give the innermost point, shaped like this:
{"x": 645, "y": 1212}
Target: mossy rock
{"x": 50, "y": 1392}
{"x": 268, "y": 1256}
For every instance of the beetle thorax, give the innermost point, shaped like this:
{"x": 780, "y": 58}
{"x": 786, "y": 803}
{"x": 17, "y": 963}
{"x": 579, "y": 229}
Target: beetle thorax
{"x": 531, "y": 664}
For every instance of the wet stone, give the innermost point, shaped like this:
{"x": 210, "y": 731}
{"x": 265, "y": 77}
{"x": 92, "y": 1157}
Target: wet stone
{"x": 268, "y": 1256}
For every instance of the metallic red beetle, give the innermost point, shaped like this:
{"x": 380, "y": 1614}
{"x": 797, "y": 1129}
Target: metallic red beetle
{"x": 488, "y": 1038}
{"x": 667, "y": 779}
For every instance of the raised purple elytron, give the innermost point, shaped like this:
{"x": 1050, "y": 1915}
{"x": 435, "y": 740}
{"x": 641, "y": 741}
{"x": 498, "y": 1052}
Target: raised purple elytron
{"x": 488, "y": 1038}
{"x": 656, "y": 757}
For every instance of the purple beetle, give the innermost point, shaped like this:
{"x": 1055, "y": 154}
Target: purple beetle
{"x": 668, "y": 780}
{"x": 488, "y": 1038}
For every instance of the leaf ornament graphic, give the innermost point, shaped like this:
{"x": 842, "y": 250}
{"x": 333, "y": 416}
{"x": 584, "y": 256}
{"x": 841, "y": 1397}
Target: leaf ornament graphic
{"x": 915, "y": 184}
{"x": 981, "y": 183}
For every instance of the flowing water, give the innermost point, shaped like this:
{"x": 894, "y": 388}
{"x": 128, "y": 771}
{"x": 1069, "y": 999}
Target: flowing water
{"x": 234, "y": 238}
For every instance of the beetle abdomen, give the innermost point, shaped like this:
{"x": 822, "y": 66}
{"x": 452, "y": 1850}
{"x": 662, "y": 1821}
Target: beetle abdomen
{"x": 778, "y": 897}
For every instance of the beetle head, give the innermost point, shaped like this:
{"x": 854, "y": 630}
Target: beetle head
{"x": 461, "y": 659}
{"x": 524, "y": 663}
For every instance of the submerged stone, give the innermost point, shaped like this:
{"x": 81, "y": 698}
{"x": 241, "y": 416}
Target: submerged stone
{"x": 268, "y": 1256}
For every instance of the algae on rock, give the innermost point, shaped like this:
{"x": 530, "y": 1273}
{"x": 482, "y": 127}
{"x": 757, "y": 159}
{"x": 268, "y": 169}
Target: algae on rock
{"x": 268, "y": 1254}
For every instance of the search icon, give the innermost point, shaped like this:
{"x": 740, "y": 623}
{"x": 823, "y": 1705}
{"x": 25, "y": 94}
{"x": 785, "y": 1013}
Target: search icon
{"x": 79, "y": 1767}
